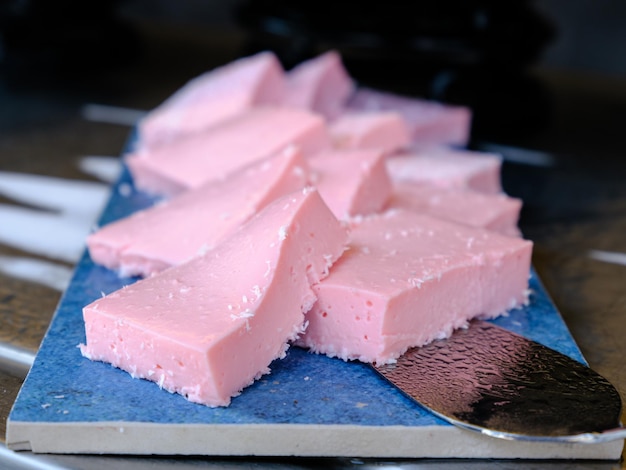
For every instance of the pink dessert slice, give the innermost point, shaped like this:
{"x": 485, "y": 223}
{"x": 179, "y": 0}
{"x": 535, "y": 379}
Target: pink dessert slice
{"x": 497, "y": 212}
{"x": 352, "y": 182}
{"x": 448, "y": 168}
{"x": 321, "y": 84}
{"x": 429, "y": 122}
{"x": 384, "y": 130}
{"x": 177, "y": 229}
{"x": 209, "y": 327}
{"x": 407, "y": 279}
{"x": 255, "y": 134}
{"x": 215, "y": 96}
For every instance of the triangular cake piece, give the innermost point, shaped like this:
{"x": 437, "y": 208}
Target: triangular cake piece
{"x": 497, "y": 212}
{"x": 407, "y": 279}
{"x": 430, "y": 122}
{"x": 320, "y": 84}
{"x": 213, "y": 97}
{"x": 253, "y": 135}
{"x": 448, "y": 168}
{"x": 174, "y": 230}
{"x": 385, "y": 130}
{"x": 352, "y": 182}
{"x": 209, "y": 327}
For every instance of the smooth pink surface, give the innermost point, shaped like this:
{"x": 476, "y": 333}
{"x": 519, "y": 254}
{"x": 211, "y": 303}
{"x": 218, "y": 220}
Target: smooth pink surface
{"x": 215, "y": 96}
{"x": 352, "y": 182}
{"x": 171, "y": 232}
{"x": 448, "y": 168}
{"x": 320, "y": 84}
{"x": 213, "y": 154}
{"x": 384, "y": 130}
{"x": 209, "y": 327}
{"x": 497, "y": 212}
{"x": 429, "y": 122}
{"x": 407, "y": 279}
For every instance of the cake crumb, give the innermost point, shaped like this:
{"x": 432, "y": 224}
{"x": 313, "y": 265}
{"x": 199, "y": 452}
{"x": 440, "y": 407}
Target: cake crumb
{"x": 282, "y": 232}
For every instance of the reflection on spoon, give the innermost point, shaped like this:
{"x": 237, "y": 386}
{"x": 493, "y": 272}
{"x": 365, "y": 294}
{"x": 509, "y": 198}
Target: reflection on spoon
{"x": 488, "y": 379}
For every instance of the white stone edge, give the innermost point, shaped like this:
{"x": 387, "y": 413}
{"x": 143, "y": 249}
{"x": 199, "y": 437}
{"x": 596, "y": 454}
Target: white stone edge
{"x": 287, "y": 440}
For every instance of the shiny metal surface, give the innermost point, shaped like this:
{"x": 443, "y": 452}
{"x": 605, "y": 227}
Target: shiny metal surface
{"x": 488, "y": 379}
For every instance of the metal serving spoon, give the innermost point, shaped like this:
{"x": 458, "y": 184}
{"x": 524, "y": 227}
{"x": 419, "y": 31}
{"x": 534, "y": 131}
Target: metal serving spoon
{"x": 488, "y": 379}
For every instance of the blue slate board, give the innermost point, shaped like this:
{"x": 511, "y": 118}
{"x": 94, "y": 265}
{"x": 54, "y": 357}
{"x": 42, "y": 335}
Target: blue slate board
{"x": 71, "y": 404}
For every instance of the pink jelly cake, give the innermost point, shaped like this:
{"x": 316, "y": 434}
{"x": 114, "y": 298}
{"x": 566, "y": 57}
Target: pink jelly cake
{"x": 320, "y": 84}
{"x": 497, "y": 212}
{"x": 214, "y": 96}
{"x": 429, "y": 122}
{"x": 385, "y": 130}
{"x": 209, "y": 327}
{"x": 352, "y": 182}
{"x": 407, "y": 279}
{"x": 191, "y": 161}
{"x": 170, "y": 232}
{"x": 448, "y": 168}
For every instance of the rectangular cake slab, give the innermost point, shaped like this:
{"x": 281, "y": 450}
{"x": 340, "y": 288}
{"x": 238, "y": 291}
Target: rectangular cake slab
{"x": 310, "y": 405}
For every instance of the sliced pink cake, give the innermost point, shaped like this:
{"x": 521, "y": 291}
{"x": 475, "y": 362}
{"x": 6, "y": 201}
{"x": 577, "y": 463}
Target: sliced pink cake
{"x": 214, "y": 96}
{"x": 173, "y": 231}
{"x": 209, "y": 327}
{"x": 429, "y": 122}
{"x": 385, "y": 130}
{"x": 320, "y": 84}
{"x": 497, "y": 212}
{"x": 352, "y": 182}
{"x": 448, "y": 168}
{"x": 255, "y": 134}
{"x": 407, "y": 279}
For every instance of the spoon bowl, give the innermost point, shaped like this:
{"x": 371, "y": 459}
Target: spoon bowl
{"x": 493, "y": 381}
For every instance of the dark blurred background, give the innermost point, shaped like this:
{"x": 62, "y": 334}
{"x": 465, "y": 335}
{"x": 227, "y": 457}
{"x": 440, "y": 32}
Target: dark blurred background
{"x": 544, "y": 75}
{"x": 500, "y": 58}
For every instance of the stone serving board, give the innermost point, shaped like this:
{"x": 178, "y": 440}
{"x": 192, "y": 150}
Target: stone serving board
{"x": 310, "y": 405}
